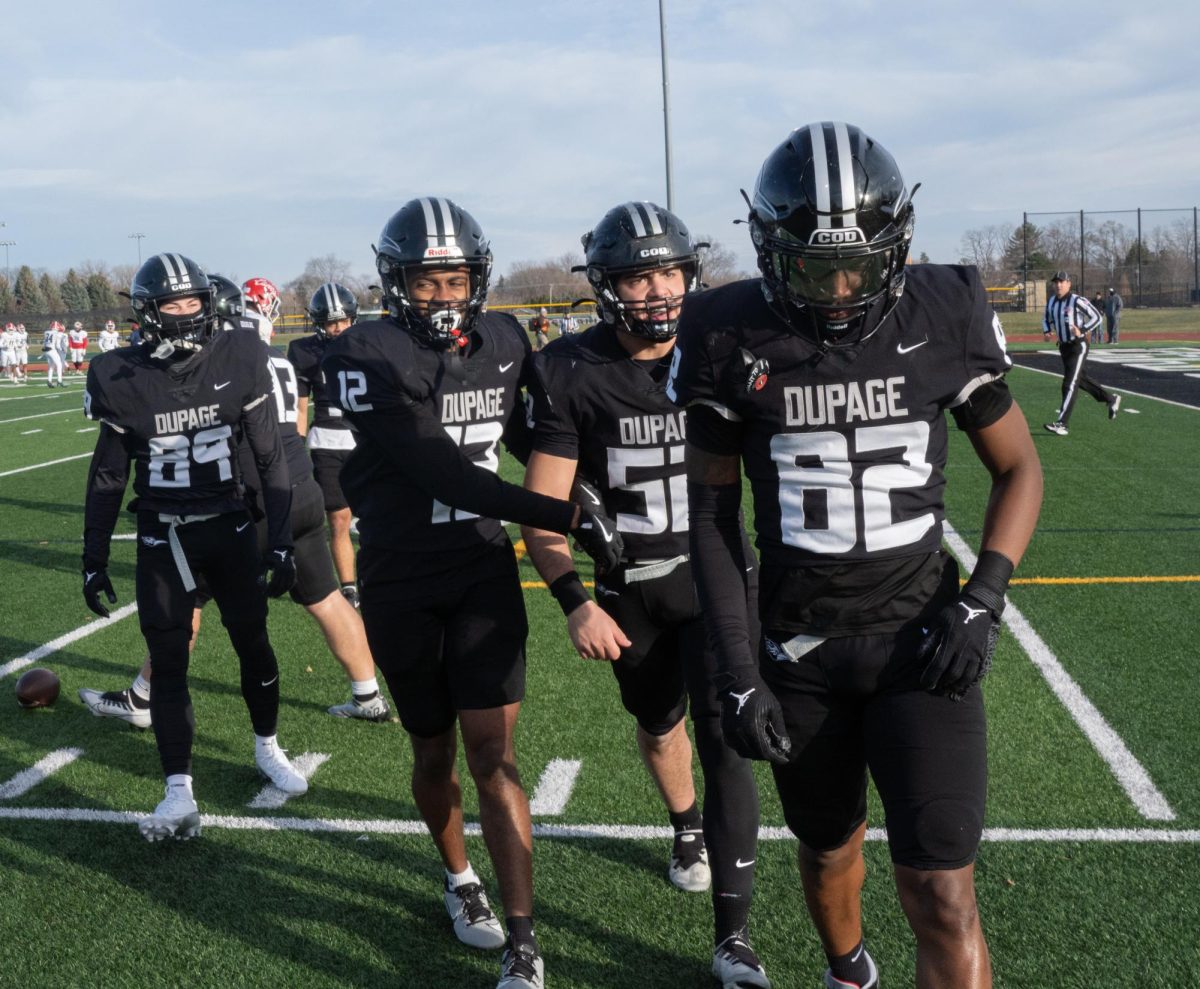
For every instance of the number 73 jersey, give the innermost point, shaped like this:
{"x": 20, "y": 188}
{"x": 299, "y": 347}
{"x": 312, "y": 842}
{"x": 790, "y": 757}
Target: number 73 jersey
{"x": 845, "y": 448}
{"x": 180, "y": 422}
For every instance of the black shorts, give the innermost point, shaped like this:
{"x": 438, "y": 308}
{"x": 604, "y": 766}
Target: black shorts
{"x": 669, "y": 659}
{"x": 315, "y": 579}
{"x": 222, "y": 554}
{"x": 461, "y": 649}
{"x": 327, "y": 469}
{"x": 854, "y": 704}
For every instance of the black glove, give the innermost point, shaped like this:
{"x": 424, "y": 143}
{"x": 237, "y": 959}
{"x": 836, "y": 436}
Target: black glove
{"x": 596, "y": 533}
{"x": 957, "y": 648}
{"x": 95, "y": 581}
{"x": 279, "y": 572}
{"x": 751, "y": 718}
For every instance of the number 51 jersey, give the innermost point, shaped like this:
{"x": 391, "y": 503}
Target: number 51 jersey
{"x": 180, "y": 420}
{"x": 845, "y": 448}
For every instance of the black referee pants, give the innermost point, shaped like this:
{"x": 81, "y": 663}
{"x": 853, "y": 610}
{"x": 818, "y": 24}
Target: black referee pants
{"x": 1075, "y": 379}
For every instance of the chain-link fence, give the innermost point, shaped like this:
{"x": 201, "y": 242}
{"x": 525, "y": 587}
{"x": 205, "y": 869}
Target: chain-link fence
{"x": 1148, "y": 256}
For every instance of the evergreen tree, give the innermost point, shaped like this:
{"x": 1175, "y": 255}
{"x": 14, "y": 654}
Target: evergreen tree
{"x": 101, "y": 293}
{"x": 7, "y": 303}
{"x": 29, "y": 297}
{"x": 75, "y": 293}
{"x": 1027, "y": 237}
{"x": 49, "y": 289}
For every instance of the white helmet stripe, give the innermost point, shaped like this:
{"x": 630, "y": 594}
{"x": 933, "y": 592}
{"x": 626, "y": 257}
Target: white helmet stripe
{"x": 183, "y": 272}
{"x": 447, "y": 223}
{"x": 846, "y": 169}
{"x": 330, "y": 299}
{"x": 656, "y": 226}
{"x": 639, "y": 228}
{"x": 431, "y": 230}
{"x": 816, "y": 138}
{"x": 166, "y": 263}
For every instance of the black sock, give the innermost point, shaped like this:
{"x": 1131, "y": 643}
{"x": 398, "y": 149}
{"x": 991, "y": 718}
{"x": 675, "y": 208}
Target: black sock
{"x": 137, "y": 700}
{"x": 851, "y": 967}
{"x": 520, "y": 930}
{"x": 686, "y": 820}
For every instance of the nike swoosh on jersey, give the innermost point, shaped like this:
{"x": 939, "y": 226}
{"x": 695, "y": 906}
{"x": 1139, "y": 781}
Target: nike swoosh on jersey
{"x": 241, "y": 527}
{"x": 505, "y": 367}
{"x": 743, "y": 865}
{"x": 222, "y": 385}
{"x": 901, "y": 349}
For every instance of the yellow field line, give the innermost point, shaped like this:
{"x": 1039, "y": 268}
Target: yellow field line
{"x": 1059, "y": 581}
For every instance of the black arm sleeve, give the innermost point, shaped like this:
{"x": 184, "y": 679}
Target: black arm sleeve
{"x": 107, "y": 477}
{"x": 719, "y": 568}
{"x": 262, "y": 434}
{"x": 417, "y": 445}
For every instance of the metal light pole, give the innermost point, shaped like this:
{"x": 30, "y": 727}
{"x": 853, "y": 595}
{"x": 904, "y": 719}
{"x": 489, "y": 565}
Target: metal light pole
{"x": 138, "y": 238}
{"x": 7, "y": 271}
{"x": 662, "y": 34}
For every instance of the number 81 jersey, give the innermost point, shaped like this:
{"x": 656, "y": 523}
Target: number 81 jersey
{"x": 180, "y": 421}
{"x": 845, "y": 448}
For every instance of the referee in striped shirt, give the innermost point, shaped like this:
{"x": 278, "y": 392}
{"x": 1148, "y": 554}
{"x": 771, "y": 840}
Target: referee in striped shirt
{"x": 1069, "y": 318}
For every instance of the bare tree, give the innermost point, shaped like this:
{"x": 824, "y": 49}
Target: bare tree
{"x": 543, "y": 282}
{"x": 318, "y": 271}
{"x": 720, "y": 263}
{"x": 984, "y": 247}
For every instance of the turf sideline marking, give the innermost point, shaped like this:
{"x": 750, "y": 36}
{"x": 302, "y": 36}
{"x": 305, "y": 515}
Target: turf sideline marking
{"x": 1123, "y": 391}
{"x": 30, "y": 432}
{"x": 608, "y": 832}
{"x": 555, "y": 786}
{"x": 1130, "y": 773}
{"x": 48, "y": 463}
{"x": 40, "y": 415}
{"x": 41, "y": 652}
{"x": 270, "y": 797}
{"x": 25, "y": 398}
{"x": 27, "y": 779}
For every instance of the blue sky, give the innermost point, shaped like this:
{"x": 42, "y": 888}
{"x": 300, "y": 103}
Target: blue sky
{"x": 253, "y": 137}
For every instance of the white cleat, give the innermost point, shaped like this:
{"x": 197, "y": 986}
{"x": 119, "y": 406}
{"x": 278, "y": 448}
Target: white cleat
{"x": 115, "y": 704}
{"x": 274, "y": 765}
{"x": 736, "y": 966}
{"x": 176, "y": 817}
{"x": 689, "y": 869}
{"x": 474, "y": 921}
{"x": 375, "y": 709}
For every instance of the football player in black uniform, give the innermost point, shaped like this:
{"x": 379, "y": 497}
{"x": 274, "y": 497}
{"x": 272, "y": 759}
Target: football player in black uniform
{"x": 601, "y": 413}
{"x": 333, "y": 310}
{"x": 827, "y": 380}
{"x": 175, "y": 406}
{"x": 315, "y": 588}
{"x": 432, "y": 389}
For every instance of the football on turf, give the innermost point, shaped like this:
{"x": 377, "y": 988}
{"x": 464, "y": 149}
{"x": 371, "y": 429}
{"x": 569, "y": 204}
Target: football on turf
{"x": 37, "y": 688}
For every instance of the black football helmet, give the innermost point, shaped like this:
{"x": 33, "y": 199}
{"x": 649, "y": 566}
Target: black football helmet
{"x": 172, "y": 276}
{"x": 638, "y": 237}
{"x": 330, "y": 303}
{"x": 433, "y": 233}
{"x": 228, "y": 302}
{"x": 832, "y": 220}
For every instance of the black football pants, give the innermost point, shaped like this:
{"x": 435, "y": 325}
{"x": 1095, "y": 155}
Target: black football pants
{"x": 1075, "y": 379}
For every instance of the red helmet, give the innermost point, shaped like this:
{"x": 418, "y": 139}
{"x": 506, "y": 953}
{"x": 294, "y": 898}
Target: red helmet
{"x": 110, "y": 325}
{"x": 56, "y": 325}
{"x": 10, "y": 326}
{"x": 262, "y": 294}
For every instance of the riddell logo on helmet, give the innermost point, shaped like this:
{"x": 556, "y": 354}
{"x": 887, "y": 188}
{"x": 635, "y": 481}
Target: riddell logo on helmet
{"x": 443, "y": 252}
{"x": 852, "y": 235}
{"x": 654, "y": 252}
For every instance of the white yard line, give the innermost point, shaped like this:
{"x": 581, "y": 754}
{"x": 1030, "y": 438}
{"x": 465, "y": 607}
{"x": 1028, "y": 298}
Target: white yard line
{"x": 27, "y": 779}
{"x": 41, "y": 652}
{"x": 48, "y": 463}
{"x": 25, "y": 398}
{"x": 554, "y": 788}
{"x": 618, "y": 832}
{"x": 1129, "y": 773}
{"x": 270, "y": 797}
{"x": 40, "y": 415}
{"x": 30, "y": 432}
{"x": 1123, "y": 391}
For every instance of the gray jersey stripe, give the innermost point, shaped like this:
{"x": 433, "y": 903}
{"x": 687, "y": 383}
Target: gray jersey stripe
{"x": 639, "y": 228}
{"x": 816, "y": 138}
{"x": 846, "y": 171}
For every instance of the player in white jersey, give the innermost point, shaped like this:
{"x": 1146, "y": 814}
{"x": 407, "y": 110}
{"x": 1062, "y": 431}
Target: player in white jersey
{"x": 8, "y": 357}
{"x": 109, "y": 338}
{"x": 54, "y": 348}
{"x": 262, "y": 305}
{"x": 77, "y": 339}
{"x": 22, "y": 352}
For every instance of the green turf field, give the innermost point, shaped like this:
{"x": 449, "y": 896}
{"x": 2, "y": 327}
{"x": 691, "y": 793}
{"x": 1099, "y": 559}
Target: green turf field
{"x": 1088, "y": 876}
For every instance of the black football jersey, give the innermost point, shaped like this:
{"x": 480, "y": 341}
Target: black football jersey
{"x": 593, "y": 403}
{"x": 393, "y": 386}
{"x": 180, "y": 423}
{"x": 845, "y": 448}
{"x": 285, "y": 400}
{"x": 330, "y": 429}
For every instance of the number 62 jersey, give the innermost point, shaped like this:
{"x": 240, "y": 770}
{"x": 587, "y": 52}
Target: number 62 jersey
{"x": 845, "y": 448}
